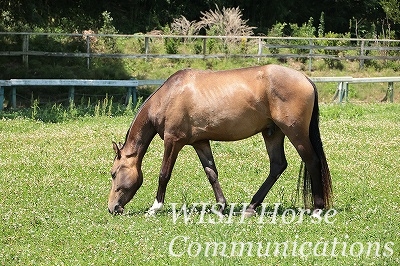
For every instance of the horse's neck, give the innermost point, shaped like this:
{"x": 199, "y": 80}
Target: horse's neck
{"x": 139, "y": 136}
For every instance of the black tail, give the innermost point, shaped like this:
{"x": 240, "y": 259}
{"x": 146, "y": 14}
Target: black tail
{"x": 315, "y": 138}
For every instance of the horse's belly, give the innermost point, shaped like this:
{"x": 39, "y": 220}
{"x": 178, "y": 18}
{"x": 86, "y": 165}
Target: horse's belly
{"x": 231, "y": 128}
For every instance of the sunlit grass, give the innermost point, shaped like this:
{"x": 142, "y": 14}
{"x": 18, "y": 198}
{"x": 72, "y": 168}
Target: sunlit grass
{"x": 54, "y": 182}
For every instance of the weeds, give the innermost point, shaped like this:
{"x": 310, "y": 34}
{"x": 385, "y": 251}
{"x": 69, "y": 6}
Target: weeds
{"x": 57, "y": 113}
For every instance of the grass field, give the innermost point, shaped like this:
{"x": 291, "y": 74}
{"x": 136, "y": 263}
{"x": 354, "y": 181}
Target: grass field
{"x": 54, "y": 183}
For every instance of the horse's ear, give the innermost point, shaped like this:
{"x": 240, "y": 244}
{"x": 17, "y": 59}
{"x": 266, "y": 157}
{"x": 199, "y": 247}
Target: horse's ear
{"x": 116, "y": 149}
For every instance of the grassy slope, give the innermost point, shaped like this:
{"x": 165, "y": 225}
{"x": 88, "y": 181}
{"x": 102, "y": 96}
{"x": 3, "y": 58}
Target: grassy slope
{"x": 54, "y": 182}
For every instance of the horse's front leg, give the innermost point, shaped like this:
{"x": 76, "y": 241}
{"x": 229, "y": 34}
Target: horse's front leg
{"x": 171, "y": 150}
{"x": 203, "y": 150}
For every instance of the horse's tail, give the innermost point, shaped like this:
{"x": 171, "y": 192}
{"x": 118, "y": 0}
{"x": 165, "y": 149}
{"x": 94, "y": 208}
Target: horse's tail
{"x": 315, "y": 138}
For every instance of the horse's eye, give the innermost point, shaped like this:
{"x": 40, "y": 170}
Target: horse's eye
{"x": 113, "y": 175}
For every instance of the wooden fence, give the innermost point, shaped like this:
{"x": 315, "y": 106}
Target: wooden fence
{"x": 203, "y": 47}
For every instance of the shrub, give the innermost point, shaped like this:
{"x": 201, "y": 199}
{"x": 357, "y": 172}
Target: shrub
{"x": 336, "y": 40}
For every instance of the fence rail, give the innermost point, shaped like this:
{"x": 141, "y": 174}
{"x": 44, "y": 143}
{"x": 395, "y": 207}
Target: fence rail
{"x": 342, "y": 90}
{"x": 25, "y": 44}
{"x": 249, "y": 47}
{"x": 132, "y": 84}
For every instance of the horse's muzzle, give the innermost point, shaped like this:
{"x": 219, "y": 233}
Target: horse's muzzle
{"x": 118, "y": 209}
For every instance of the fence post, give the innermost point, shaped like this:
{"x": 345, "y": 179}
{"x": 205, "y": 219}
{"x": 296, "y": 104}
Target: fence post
{"x": 204, "y": 47}
{"x": 71, "y": 94}
{"x": 260, "y": 46}
{"x": 342, "y": 91}
{"x": 88, "y": 51}
{"x": 346, "y": 91}
{"x": 25, "y": 49}
{"x": 131, "y": 94}
{"x": 389, "y": 92}
{"x": 1, "y": 97}
{"x": 310, "y": 58}
{"x": 362, "y": 52}
{"x": 146, "y": 45}
{"x": 14, "y": 97}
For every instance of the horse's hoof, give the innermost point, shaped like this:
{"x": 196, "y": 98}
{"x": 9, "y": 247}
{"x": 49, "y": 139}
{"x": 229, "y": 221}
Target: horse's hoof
{"x": 316, "y": 213}
{"x": 150, "y": 213}
{"x": 249, "y": 213}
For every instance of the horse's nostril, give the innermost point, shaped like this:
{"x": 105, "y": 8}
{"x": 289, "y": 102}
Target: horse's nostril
{"x": 118, "y": 209}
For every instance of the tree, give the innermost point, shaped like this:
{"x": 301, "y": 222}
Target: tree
{"x": 133, "y": 16}
{"x": 392, "y": 9}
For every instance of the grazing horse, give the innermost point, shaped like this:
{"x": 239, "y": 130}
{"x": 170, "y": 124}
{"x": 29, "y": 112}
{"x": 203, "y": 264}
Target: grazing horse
{"x": 193, "y": 107}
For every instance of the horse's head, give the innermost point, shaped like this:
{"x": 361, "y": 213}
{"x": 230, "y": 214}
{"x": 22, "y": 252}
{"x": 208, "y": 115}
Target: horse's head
{"x": 126, "y": 180}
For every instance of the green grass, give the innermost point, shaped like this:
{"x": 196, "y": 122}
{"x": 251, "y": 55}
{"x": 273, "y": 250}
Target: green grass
{"x": 54, "y": 183}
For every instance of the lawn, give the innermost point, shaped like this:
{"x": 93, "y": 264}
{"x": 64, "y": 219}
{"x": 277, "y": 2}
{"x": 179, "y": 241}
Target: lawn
{"x": 54, "y": 184}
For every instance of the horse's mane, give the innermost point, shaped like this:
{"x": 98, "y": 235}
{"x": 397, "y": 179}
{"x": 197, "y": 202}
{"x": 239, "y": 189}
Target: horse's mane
{"x": 148, "y": 98}
{"x": 139, "y": 110}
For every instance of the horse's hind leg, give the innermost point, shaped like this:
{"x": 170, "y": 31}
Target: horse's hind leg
{"x": 273, "y": 138}
{"x": 203, "y": 150}
{"x": 301, "y": 141}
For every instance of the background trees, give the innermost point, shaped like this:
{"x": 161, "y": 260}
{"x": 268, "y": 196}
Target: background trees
{"x": 362, "y": 18}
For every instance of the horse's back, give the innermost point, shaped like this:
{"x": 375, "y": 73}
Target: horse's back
{"x": 258, "y": 80}
{"x": 229, "y": 104}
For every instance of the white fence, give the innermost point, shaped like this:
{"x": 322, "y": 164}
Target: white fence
{"x": 131, "y": 85}
{"x": 343, "y": 85}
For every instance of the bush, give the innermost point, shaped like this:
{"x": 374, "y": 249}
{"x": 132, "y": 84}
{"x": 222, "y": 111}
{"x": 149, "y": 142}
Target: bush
{"x": 171, "y": 45}
{"x": 332, "y": 62}
{"x": 306, "y": 30}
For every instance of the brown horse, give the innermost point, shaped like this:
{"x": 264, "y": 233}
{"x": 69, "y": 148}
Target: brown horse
{"x": 193, "y": 107}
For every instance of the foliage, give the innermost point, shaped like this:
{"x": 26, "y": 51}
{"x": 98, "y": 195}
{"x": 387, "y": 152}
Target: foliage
{"x": 277, "y": 30}
{"x": 306, "y": 30}
{"x": 321, "y": 25}
{"x": 392, "y": 9}
{"x": 182, "y": 26}
{"x": 225, "y": 22}
{"x": 70, "y": 67}
{"x": 133, "y": 16}
{"x": 9, "y": 23}
{"x": 283, "y": 30}
{"x": 334, "y": 40}
{"x": 171, "y": 45}
{"x": 103, "y": 43}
